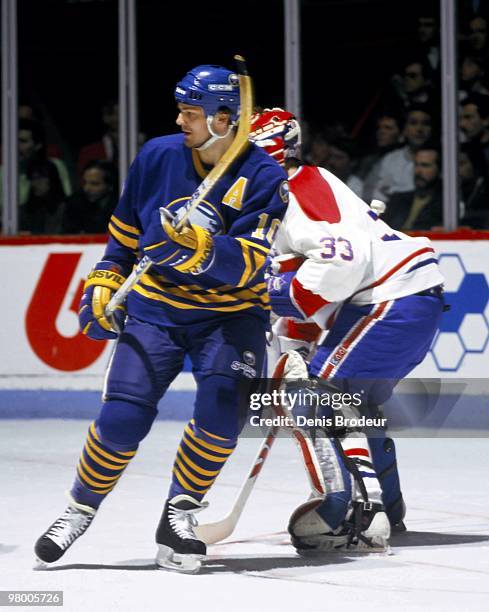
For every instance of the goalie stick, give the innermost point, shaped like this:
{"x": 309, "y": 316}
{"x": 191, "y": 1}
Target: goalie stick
{"x": 211, "y": 533}
{"x": 237, "y": 147}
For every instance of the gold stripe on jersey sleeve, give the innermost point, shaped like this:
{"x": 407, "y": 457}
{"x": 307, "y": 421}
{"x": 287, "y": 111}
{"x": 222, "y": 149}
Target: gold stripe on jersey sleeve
{"x": 254, "y": 245}
{"x": 245, "y": 252}
{"x": 124, "y": 226}
{"x": 254, "y": 260}
{"x": 131, "y": 243}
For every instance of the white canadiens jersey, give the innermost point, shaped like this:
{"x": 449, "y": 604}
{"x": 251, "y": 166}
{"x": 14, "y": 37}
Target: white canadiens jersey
{"x": 350, "y": 253}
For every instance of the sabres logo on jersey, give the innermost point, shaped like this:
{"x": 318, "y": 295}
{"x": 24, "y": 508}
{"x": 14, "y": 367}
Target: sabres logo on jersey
{"x": 283, "y": 191}
{"x": 205, "y": 215}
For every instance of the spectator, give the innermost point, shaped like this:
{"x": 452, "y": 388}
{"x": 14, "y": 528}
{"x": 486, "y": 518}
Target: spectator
{"x": 88, "y": 210}
{"x": 414, "y": 86}
{"x": 474, "y": 185}
{"x": 472, "y": 73}
{"x": 396, "y": 172}
{"x": 474, "y": 123}
{"x": 28, "y": 110}
{"x": 42, "y": 213}
{"x": 388, "y": 137}
{"x": 422, "y": 207}
{"x": 428, "y": 39}
{"x": 32, "y": 147}
{"x": 341, "y": 162}
{"x": 318, "y": 150}
{"x": 107, "y": 148}
{"x": 477, "y": 39}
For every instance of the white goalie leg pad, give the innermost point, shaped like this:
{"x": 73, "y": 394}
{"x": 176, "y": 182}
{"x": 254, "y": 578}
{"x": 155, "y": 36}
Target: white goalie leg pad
{"x": 295, "y": 367}
{"x": 305, "y": 521}
{"x": 310, "y": 532}
{"x": 355, "y": 446}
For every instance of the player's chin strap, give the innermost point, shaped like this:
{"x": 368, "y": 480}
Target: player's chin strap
{"x": 214, "y": 137}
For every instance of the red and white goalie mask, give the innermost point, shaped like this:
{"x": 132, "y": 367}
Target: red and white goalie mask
{"x": 278, "y": 132}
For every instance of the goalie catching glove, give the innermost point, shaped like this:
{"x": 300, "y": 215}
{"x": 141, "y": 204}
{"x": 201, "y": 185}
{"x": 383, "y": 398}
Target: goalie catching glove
{"x": 189, "y": 250}
{"x": 105, "y": 278}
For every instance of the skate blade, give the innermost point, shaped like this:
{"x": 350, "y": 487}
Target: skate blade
{"x": 40, "y": 565}
{"x": 167, "y": 559}
{"x": 364, "y": 549}
{"x": 322, "y": 547}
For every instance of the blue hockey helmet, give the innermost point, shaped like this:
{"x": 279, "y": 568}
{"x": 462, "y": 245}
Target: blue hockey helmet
{"x": 212, "y": 87}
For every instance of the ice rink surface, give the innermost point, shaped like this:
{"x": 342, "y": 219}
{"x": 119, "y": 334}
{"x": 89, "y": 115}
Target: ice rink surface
{"x": 442, "y": 563}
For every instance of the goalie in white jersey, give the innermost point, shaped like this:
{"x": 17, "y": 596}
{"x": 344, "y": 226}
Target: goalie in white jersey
{"x": 379, "y": 294}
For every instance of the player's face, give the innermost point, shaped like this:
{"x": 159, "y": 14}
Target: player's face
{"x": 191, "y": 120}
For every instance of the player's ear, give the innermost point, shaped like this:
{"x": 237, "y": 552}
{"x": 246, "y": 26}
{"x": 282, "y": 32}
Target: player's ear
{"x": 223, "y": 117}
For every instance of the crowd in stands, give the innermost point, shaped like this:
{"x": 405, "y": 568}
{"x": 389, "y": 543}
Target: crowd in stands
{"x": 400, "y": 166}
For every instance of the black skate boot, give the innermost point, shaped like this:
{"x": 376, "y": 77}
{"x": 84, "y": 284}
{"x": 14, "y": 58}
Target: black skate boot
{"x": 73, "y": 523}
{"x": 178, "y": 546}
{"x": 396, "y": 514}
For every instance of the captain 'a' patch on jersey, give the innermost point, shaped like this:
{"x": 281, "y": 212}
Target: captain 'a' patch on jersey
{"x": 234, "y": 195}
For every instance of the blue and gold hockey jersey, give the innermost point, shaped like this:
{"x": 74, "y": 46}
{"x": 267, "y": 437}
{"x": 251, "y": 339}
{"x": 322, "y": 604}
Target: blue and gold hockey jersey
{"x": 243, "y": 211}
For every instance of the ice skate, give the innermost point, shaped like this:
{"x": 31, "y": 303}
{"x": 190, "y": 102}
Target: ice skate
{"x": 396, "y": 518}
{"x": 73, "y": 523}
{"x": 178, "y": 547}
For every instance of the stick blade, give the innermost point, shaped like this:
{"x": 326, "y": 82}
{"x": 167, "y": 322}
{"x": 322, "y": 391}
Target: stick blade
{"x": 211, "y": 533}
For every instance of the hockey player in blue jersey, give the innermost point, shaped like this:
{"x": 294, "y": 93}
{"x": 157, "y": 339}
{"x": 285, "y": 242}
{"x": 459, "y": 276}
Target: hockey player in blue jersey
{"x": 204, "y": 297}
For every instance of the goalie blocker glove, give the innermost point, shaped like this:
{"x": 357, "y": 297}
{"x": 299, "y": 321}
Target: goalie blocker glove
{"x": 104, "y": 279}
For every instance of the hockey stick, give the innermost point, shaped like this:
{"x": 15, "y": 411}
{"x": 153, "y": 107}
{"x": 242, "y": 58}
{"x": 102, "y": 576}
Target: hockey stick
{"x": 237, "y": 147}
{"x": 210, "y": 533}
